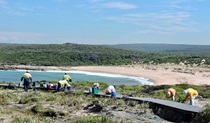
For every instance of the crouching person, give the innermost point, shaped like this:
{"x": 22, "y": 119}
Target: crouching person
{"x": 171, "y": 93}
{"x": 190, "y": 94}
{"x": 63, "y": 84}
{"x": 111, "y": 91}
{"x": 94, "y": 89}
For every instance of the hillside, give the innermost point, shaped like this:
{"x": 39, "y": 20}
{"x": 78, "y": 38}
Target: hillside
{"x": 203, "y": 50}
{"x": 77, "y": 54}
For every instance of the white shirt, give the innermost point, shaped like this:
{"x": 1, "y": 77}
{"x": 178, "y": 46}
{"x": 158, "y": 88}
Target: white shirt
{"x": 111, "y": 88}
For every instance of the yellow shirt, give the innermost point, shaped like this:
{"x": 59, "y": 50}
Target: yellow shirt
{"x": 66, "y": 77}
{"x": 63, "y": 82}
{"x": 26, "y": 75}
{"x": 191, "y": 93}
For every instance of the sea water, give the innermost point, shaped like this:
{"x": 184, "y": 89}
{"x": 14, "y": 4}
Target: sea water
{"x": 115, "y": 79}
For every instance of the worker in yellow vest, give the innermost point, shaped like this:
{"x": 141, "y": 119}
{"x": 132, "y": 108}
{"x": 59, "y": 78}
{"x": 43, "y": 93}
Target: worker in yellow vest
{"x": 26, "y": 78}
{"x": 63, "y": 84}
{"x": 190, "y": 94}
{"x": 67, "y": 77}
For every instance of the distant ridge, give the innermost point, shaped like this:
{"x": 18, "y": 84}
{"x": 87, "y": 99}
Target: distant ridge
{"x": 166, "y": 48}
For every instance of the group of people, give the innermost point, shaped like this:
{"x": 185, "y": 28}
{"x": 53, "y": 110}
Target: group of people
{"x": 110, "y": 90}
{"x": 190, "y": 94}
{"x": 64, "y": 83}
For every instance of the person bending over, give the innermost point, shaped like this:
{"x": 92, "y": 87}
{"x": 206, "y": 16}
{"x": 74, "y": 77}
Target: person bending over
{"x": 111, "y": 91}
{"x": 190, "y": 94}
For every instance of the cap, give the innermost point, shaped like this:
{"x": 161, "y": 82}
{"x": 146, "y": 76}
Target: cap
{"x": 27, "y": 71}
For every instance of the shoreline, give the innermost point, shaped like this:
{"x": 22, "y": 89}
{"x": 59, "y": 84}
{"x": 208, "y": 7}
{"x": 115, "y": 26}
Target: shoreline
{"x": 158, "y": 74}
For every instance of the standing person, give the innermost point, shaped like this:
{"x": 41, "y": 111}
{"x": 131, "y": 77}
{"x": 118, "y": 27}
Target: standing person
{"x": 26, "y": 78}
{"x": 67, "y": 77}
{"x": 171, "y": 93}
{"x": 111, "y": 90}
{"x": 190, "y": 94}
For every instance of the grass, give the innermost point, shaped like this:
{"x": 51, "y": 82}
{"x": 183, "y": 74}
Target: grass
{"x": 50, "y": 106}
{"x": 25, "y": 118}
{"x": 95, "y": 119}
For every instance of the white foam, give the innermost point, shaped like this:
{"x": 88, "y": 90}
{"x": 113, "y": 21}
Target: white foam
{"x": 141, "y": 80}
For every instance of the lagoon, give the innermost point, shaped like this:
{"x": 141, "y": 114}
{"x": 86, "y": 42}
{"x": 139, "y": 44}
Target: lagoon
{"x": 115, "y": 79}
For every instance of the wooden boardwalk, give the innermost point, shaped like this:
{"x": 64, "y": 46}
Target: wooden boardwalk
{"x": 164, "y": 103}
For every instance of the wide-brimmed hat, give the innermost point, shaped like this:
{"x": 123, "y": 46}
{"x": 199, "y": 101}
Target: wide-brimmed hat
{"x": 185, "y": 92}
{"x": 169, "y": 94}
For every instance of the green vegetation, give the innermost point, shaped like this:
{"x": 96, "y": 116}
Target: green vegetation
{"x": 198, "y": 50}
{"x": 75, "y": 54}
{"x": 52, "y": 106}
{"x": 94, "y": 119}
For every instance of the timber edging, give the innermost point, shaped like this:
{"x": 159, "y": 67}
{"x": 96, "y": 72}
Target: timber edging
{"x": 164, "y": 103}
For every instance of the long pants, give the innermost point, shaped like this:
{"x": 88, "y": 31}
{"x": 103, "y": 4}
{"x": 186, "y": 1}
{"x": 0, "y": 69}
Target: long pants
{"x": 26, "y": 84}
{"x": 26, "y": 87}
{"x": 34, "y": 88}
{"x": 192, "y": 101}
{"x": 67, "y": 88}
{"x": 113, "y": 94}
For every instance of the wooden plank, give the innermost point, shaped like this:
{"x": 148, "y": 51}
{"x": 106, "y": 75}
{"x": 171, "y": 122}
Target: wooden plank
{"x": 171, "y": 104}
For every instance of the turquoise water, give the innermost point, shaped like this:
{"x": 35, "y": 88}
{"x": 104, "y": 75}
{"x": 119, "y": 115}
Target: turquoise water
{"x": 15, "y": 76}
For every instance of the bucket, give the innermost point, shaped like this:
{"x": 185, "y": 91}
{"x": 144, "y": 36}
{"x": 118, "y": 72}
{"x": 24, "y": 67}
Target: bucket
{"x": 95, "y": 90}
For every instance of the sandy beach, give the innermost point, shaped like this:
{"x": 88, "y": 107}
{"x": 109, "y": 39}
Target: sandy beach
{"x": 161, "y": 74}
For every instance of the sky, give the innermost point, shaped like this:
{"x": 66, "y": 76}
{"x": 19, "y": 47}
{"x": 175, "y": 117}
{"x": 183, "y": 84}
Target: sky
{"x": 105, "y": 21}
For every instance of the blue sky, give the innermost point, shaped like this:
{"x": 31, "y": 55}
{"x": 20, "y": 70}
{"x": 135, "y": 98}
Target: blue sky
{"x": 105, "y": 21}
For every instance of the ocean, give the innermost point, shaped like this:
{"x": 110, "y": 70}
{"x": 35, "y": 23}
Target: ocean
{"x": 114, "y": 79}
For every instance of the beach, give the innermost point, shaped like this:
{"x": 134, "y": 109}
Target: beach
{"x": 159, "y": 74}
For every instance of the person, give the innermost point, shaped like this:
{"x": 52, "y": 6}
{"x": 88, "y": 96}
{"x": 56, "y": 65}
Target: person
{"x": 26, "y": 78}
{"x": 171, "y": 93}
{"x": 67, "y": 77}
{"x": 34, "y": 86}
{"x": 190, "y": 94}
{"x": 111, "y": 90}
{"x": 63, "y": 84}
{"x": 95, "y": 86}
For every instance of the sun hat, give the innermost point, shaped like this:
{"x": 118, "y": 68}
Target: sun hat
{"x": 185, "y": 92}
{"x": 169, "y": 94}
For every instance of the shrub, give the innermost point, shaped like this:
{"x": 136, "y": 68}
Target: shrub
{"x": 204, "y": 116}
{"x": 94, "y": 119}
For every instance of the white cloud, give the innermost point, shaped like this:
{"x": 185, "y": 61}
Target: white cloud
{"x": 119, "y": 5}
{"x": 96, "y": 1}
{"x": 19, "y": 36}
